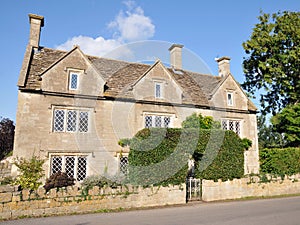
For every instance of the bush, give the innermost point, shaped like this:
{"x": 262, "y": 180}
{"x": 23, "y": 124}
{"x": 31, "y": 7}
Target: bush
{"x": 31, "y": 171}
{"x": 102, "y": 181}
{"x": 58, "y": 180}
{"x": 159, "y": 156}
{"x": 280, "y": 161}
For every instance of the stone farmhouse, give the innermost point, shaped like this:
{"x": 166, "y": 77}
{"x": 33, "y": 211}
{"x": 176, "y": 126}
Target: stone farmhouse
{"x": 73, "y": 108}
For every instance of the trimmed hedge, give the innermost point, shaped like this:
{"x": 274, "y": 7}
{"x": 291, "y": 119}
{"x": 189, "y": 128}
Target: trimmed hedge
{"x": 159, "y": 156}
{"x": 280, "y": 161}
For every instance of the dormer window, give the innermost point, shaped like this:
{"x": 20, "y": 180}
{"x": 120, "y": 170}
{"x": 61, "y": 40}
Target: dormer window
{"x": 73, "y": 81}
{"x": 158, "y": 90}
{"x": 229, "y": 98}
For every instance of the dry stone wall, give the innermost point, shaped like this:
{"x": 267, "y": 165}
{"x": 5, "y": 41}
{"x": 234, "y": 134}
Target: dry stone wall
{"x": 249, "y": 187}
{"x": 16, "y": 204}
{"x": 5, "y": 169}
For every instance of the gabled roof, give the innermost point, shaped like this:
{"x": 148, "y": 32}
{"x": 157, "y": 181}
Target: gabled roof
{"x": 120, "y": 76}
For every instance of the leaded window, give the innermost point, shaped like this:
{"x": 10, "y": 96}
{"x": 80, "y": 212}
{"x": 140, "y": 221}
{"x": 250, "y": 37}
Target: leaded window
{"x": 124, "y": 165}
{"x": 70, "y": 120}
{"x": 234, "y": 125}
{"x": 73, "y": 85}
{"x": 59, "y": 117}
{"x": 158, "y": 93}
{"x": 157, "y": 121}
{"x": 73, "y": 165}
{"x": 148, "y": 121}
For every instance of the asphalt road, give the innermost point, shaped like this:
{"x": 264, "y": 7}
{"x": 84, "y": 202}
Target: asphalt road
{"x": 279, "y": 211}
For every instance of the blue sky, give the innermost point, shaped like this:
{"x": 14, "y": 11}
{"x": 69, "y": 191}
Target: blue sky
{"x": 208, "y": 29}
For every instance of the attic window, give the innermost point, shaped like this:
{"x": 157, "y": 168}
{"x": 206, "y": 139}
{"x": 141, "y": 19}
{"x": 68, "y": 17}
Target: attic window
{"x": 229, "y": 98}
{"x": 158, "y": 90}
{"x": 73, "y": 81}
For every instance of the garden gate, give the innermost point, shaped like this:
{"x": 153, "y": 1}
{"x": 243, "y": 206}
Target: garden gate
{"x": 193, "y": 189}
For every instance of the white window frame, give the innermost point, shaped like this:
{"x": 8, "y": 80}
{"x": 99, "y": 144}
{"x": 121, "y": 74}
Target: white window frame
{"x": 71, "y": 75}
{"x": 230, "y": 100}
{"x": 65, "y": 126}
{"x": 160, "y": 85}
{"x": 64, "y": 156}
{"x": 153, "y": 119}
{"x": 226, "y": 122}
{"x": 77, "y": 73}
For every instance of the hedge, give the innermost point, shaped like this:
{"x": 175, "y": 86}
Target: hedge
{"x": 280, "y": 161}
{"x": 159, "y": 156}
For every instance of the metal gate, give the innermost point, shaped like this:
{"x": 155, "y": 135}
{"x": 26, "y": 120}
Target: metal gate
{"x": 193, "y": 189}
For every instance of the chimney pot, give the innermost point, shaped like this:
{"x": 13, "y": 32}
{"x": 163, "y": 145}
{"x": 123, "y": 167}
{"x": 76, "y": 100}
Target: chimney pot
{"x": 36, "y": 22}
{"x": 176, "y": 56}
{"x": 223, "y": 65}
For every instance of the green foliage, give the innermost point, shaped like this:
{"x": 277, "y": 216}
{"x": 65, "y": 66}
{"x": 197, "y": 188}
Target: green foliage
{"x": 246, "y": 143}
{"x": 279, "y": 162}
{"x": 58, "y": 180}
{"x": 6, "y": 180}
{"x": 287, "y": 122}
{"x": 272, "y": 64}
{"x": 199, "y": 121}
{"x": 124, "y": 142}
{"x": 267, "y": 136}
{"x": 159, "y": 156}
{"x": 31, "y": 171}
{"x": 102, "y": 181}
{"x": 225, "y": 161}
{"x": 7, "y": 131}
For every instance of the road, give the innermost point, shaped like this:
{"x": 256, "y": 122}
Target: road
{"x": 279, "y": 211}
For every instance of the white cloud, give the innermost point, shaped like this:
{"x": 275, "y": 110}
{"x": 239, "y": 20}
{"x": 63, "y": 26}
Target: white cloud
{"x": 131, "y": 25}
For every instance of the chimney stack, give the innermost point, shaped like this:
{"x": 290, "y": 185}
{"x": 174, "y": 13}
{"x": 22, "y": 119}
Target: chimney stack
{"x": 36, "y": 22}
{"x": 223, "y": 65}
{"x": 176, "y": 56}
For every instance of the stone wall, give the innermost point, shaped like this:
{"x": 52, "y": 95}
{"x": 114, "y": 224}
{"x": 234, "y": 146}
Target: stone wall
{"x": 5, "y": 169}
{"x": 249, "y": 187}
{"x": 15, "y": 204}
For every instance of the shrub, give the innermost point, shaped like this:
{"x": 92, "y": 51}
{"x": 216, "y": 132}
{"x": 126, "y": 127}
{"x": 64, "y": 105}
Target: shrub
{"x": 31, "y": 171}
{"x": 58, "y": 180}
{"x": 280, "y": 161}
{"x": 102, "y": 181}
{"x": 159, "y": 156}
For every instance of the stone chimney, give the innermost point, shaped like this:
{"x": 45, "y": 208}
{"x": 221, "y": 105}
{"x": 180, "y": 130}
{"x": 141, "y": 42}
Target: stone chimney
{"x": 36, "y": 22}
{"x": 176, "y": 56}
{"x": 223, "y": 65}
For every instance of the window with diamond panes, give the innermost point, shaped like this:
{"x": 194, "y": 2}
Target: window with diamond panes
{"x": 124, "y": 164}
{"x": 73, "y": 81}
{"x": 157, "y": 121}
{"x": 148, "y": 121}
{"x": 70, "y": 120}
{"x": 158, "y": 90}
{"x": 81, "y": 168}
{"x": 167, "y": 121}
{"x": 56, "y": 164}
{"x": 74, "y": 166}
{"x": 59, "y": 120}
{"x": 83, "y": 121}
{"x": 70, "y": 165}
{"x": 234, "y": 125}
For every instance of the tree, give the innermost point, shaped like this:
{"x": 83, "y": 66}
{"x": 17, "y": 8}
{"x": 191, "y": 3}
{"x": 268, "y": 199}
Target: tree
{"x": 7, "y": 131}
{"x": 199, "y": 121}
{"x": 267, "y": 136}
{"x": 272, "y": 64}
{"x": 288, "y": 123}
